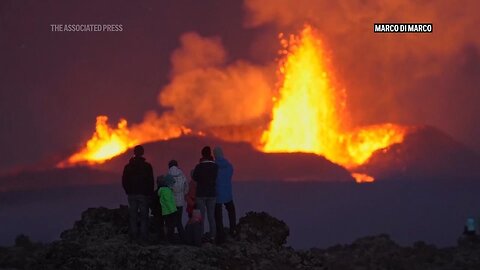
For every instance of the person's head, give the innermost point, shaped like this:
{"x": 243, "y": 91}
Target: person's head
{"x": 207, "y": 153}
{"x": 218, "y": 152}
{"x": 161, "y": 181}
{"x": 470, "y": 222}
{"x": 138, "y": 151}
{"x": 169, "y": 180}
{"x": 172, "y": 163}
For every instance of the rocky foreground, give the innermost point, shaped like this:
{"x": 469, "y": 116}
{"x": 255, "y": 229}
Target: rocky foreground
{"x": 100, "y": 241}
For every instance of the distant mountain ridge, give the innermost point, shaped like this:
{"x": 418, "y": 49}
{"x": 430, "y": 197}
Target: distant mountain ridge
{"x": 249, "y": 164}
{"x": 426, "y": 154}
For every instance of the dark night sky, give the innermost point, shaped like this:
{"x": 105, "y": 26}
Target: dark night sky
{"x": 54, "y": 84}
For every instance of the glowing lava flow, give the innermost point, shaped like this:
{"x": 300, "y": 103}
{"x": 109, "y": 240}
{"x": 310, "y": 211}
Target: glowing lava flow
{"x": 105, "y": 143}
{"x": 310, "y": 115}
{"x": 108, "y": 142}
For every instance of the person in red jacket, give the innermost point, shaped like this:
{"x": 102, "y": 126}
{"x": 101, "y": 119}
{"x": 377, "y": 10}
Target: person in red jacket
{"x": 137, "y": 181}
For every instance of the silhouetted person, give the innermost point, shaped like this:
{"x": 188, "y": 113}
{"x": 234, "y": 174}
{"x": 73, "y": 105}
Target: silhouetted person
{"x": 137, "y": 181}
{"x": 470, "y": 228}
{"x": 469, "y": 237}
{"x": 180, "y": 189}
{"x": 224, "y": 194}
{"x": 205, "y": 174}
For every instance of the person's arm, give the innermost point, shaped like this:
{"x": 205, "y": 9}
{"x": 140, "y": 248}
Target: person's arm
{"x": 185, "y": 185}
{"x": 230, "y": 168}
{"x": 195, "y": 174}
{"x": 125, "y": 179}
{"x": 150, "y": 180}
{"x": 215, "y": 172}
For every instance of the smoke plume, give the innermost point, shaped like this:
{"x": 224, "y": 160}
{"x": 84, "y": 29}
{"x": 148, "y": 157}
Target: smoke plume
{"x": 205, "y": 91}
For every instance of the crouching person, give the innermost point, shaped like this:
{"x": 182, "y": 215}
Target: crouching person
{"x": 194, "y": 229}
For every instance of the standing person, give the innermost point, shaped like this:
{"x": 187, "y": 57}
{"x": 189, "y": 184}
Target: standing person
{"x": 137, "y": 181}
{"x": 224, "y": 194}
{"x": 167, "y": 202}
{"x": 205, "y": 174}
{"x": 180, "y": 189}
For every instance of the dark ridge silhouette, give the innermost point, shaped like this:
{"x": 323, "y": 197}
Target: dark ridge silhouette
{"x": 426, "y": 154}
{"x": 249, "y": 163}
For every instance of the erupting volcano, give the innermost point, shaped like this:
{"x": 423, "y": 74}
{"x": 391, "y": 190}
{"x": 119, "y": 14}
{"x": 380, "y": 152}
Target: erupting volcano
{"x": 309, "y": 115}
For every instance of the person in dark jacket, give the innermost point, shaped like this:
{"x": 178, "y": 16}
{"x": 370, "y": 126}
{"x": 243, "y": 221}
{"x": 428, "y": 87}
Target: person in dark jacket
{"x": 224, "y": 194}
{"x": 205, "y": 174}
{"x": 137, "y": 181}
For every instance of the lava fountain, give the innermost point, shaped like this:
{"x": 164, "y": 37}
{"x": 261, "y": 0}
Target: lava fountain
{"x": 310, "y": 112}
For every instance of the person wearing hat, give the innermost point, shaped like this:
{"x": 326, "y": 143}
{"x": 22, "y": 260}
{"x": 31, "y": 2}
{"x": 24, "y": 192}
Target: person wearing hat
{"x": 205, "y": 174}
{"x": 137, "y": 181}
{"x": 169, "y": 209}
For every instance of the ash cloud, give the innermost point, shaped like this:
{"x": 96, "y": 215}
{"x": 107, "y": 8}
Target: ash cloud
{"x": 393, "y": 77}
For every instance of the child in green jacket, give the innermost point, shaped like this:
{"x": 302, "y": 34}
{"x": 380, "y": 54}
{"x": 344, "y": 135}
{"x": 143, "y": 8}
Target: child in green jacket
{"x": 168, "y": 205}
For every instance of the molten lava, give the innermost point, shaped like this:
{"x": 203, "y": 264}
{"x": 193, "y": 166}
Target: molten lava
{"x": 362, "y": 178}
{"x": 310, "y": 115}
{"x": 105, "y": 143}
{"x": 108, "y": 142}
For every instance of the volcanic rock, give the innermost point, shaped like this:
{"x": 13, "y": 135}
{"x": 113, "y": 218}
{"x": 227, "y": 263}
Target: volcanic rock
{"x": 262, "y": 228}
{"x": 100, "y": 241}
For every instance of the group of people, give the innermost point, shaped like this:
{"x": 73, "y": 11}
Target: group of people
{"x": 204, "y": 196}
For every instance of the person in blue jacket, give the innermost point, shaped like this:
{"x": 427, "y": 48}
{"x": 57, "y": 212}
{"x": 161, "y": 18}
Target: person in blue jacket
{"x": 224, "y": 194}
